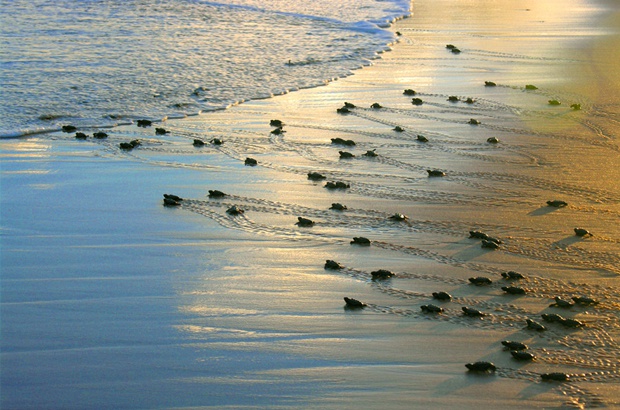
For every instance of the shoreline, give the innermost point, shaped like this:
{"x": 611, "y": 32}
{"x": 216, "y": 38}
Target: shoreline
{"x": 135, "y": 305}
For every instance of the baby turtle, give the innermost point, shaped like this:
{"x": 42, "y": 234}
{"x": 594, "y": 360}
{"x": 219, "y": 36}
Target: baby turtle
{"x": 376, "y": 106}
{"x": 480, "y": 280}
{"x": 514, "y": 345}
{"x": 276, "y": 123}
{"x": 343, "y": 110}
{"x": 442, "y": 295}
{"x": 489, "y": 244}
{"x": 572, "y": 323}
{"x": 360, "y": 241}
{"x": 234, "y": 210}
{"x": 278, "y": 131}
{"x": 554, "y": 102}
{"x": 493, "y": 140}
{"x": 80, "y": 136}
{"x": 409, "y": 91}
{"x": 576, "y": 107}
{"x": 556, "y": 203}
{"x": 330, "y": 264}
{"x": 531, "y": 324}
{"x": 171, "y": 202}
{"x": 530, "y": 87}
{"x": 417, "y": 101}
{"x": 341, "y": 141}
{"x": 399, "y": 217}
{"x": 216, "y": 194}
{"x": 585, "y": 301}
{"x": 337, "y": 185}
{"x": 562, "y": 303}
{"x": 430, "y": 308}
{"x": 128, "y": 146}
{"x": 251, "y": 162}
{"x": 455, "y": 50}
{"x": 478, "y": 235}
{"x": 371, "y": 154}
{"x": 338, "y": 206}
{"x": 492, "y": 239}
{"x": 513, "y": 290}
{"x": 481, "y": 367}
{"x": 489, "y": 84}
{"x": 382, "y": 274}
{"x": 304, "y": 222}
{"x": 450, "y": 46}
{"x": 161, "y": 131}
{"x": 399, "y": 129}
{"x": 421, "y": 138}
{"x": 556, "y": 376}
{"x": 198, "y": 143}
{"x": 173, "y": 197}
{"x": 216, "y": 141}
{"x": 551, "y": 317}
{"x": 435, "y": 173}
{"x": 467, "y": 311}
{"x": 69, "y": 128}
{"x": 470, "y": 100}
{"x": 512, "y": 275}
{"x": 354, "y": 303}
{"x": 345, "y": 155}
{"x": 453, "y": 98}
{"x": 315, "y": 176}
{"x": 100, "y": 135}
{"x": 523, "y": 356}
{"x": 144, "y": 123}
{"x": 349, "y": 105}
{"x": 473, "y": 121}
{"x": 582, "y": 232}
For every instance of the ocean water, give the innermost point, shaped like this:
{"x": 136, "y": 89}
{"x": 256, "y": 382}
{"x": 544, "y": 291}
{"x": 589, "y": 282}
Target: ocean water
{"x": 106, "y": 62}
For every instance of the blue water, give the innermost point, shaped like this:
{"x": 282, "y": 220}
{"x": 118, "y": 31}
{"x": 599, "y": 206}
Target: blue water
{"x": 105, "y": 62}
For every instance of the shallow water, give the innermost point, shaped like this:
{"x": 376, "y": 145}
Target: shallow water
{"x": 103, "y": 62}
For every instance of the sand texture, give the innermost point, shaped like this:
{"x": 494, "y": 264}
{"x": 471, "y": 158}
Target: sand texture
{"x": 111, "y": 298}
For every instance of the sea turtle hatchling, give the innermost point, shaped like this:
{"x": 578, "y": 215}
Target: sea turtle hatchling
{"x": 214, "y": 193}
{"x": 382, "y": 274}
{"x": 234, "y": 210}
{"x": 330, "y": 264}
{"x": 481, "y": 367}
{"x": 305, "y": 222}
{"x": 582, "y": 232}
{"x": 360, "y": 241}
{"x": 338, "y": 207}
{"x": 430, "y": 308}
{"x": 512, "y": 345}
{"x": 512, "y": 275}
{"x": 315, "y": 176}
{"x": 585, "y": 301}
{"x": 514, "y": 290}
{"x": 562, "y": 303}
{"x": 442, "y": 296}
{"x": 557, "y": 203}
{"x": 467, "y": 311}
{"x": 531, "y": 324}
{"x": 551, "y": 317}
{"x": 435, "y": 173}
{"x": 354, "y": 303}
{"x": 480, "y": 280}
{"x": 523, "y": 356}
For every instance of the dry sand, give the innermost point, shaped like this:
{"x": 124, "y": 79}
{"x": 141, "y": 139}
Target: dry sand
{"x": 198, "y": 308}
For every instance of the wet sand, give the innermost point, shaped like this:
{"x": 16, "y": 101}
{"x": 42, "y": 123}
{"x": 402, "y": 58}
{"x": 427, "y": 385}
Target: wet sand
{"x": 110, "y": 298}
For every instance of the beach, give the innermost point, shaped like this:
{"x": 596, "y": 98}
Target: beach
{"x": 109, "y": 299}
